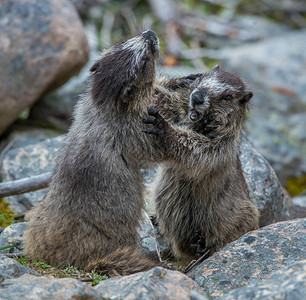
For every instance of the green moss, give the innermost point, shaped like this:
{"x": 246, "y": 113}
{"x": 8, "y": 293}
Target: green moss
{"x": 296, "y": 185}
{"x": 41, "y": 267}
{"x": 7, "y": 215}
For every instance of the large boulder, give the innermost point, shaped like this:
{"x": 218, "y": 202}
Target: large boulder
{"x": 42, "y": 44}
{"x": 55, "y": 109}
{"x": 157, "y": 283}
{"x": 288, "y": 283}
{"x": 252, "y": 258}
{"x": 33, "y": 287}
{"x": 30, "y": 160}
{"x": 10, "y": 268}
{"x": 265, "y": 190}
{"x": 12, "y": 237}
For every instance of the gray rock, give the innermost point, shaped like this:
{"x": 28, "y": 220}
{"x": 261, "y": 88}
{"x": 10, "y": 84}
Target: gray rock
{"x": 10, "y": 268}
{"x": 275, "y": 70}
{"x": 157, "y": 283}
{"x": 13, "y": 236}
{"x": 298, "y": 208}
{"x": 151, "y": 240}
{"x": 32, "y": 287}
{"x": 55, "y": 109}
{"x": 197, "y": 296}
{"x": 30, "y": 160}
{"x": 83, "y": 6}
{"x": 42, "y": 45}
{"x": 300, "y": 201}
{"x": 288, "y": 283}
{"x": 224, "y": 32}
{"x": 252, "y": 258}
{"x": 23, "y": 135}
{"x": 264, "y": 187}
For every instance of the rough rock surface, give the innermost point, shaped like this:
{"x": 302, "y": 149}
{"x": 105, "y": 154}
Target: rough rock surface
{"x": 42, "y": 44}
{"x": 252, "y": 258}
{"x": 22, "y": 135}
{"x": 298, "y": 208}
{"x": 13, "y": 236}
{"x": 151, "y": 240}
{"x": 288, "y": 283}
{"x": 32, "y": 287}
{"x": 224, "y": 32}
{"x": 83, "y": 6}
{"x": 275, "y": 70}
{"x": 10, "y": 268}
{"x": 30, "y": 160}
{"x": 157, "y": 283}
{"x": 264, "y": 187}
{"x": 55, "y": 108}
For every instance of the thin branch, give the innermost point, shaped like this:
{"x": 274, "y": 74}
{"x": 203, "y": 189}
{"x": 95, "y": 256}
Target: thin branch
{"x": 25, "y": 185}
{"x": 194, "y": 263}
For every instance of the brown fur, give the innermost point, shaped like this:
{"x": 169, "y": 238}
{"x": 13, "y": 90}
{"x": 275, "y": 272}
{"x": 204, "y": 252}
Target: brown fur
{"x": 202, "y": 202}
{"x": 89, "y": 216}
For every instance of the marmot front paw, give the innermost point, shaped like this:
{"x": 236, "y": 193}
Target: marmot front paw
{"x": 157, "y": 121}
{"x": 197, "y": 245}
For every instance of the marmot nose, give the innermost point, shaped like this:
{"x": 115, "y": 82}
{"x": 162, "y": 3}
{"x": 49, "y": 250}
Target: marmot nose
{"x": 151, "y": 37}
{"x": 197, "y": 97}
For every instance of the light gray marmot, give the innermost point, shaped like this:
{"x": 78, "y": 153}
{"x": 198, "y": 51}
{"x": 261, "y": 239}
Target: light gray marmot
{"x": 202, "y": 203}
{"x": 90, "y": 214}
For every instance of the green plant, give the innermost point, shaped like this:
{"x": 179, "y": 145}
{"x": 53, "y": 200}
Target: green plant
{"x": 97, "y": 277}
{"x": 178, "y": 264}
{"x": 73, "y": 271}
{"x": 23, "y": 260}
{"x": 8, "y": 247}
{"x": 296, "y": 185}
{"x": 43, "y": 268}
{"x": 7, "y": 215}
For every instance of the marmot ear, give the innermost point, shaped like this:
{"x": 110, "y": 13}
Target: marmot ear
{"x": 247, "y": 96}
{"x": 95, "y": 67}
{"x": 216, "y": 68}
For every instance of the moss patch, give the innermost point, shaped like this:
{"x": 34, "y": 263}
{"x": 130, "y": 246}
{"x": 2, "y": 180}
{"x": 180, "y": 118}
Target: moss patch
{"x": 7, "y": 215}
{"x": 44, "y": 269}
{"x": 296, "y": 185}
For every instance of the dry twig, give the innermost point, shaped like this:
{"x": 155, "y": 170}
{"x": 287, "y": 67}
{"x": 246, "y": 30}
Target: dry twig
{"x": 25, "y": 185}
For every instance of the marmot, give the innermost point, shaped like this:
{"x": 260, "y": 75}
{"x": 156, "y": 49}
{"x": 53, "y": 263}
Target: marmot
{"x": 94, "y": 203}
{"x": 203, "y": 203}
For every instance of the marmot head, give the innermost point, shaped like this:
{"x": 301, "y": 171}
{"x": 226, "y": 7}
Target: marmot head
{"x": 221, "y": 96}
{"x": 126, "y": 71}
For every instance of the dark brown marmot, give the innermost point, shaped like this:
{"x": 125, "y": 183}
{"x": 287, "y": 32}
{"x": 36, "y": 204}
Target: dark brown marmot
{"x": 202, "y": 203}
{"x": 94, "y": 203}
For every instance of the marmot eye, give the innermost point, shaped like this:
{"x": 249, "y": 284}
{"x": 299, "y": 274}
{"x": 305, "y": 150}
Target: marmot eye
{"x": 129, "y": 90}
{"x": 227, "y": 97}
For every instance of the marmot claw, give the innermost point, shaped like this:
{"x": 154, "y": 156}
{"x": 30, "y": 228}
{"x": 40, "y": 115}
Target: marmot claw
{"x": 157, "y": 121}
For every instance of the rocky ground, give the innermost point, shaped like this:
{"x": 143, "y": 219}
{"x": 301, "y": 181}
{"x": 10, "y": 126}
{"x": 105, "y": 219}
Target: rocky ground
{"x": 43, "y": 44}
